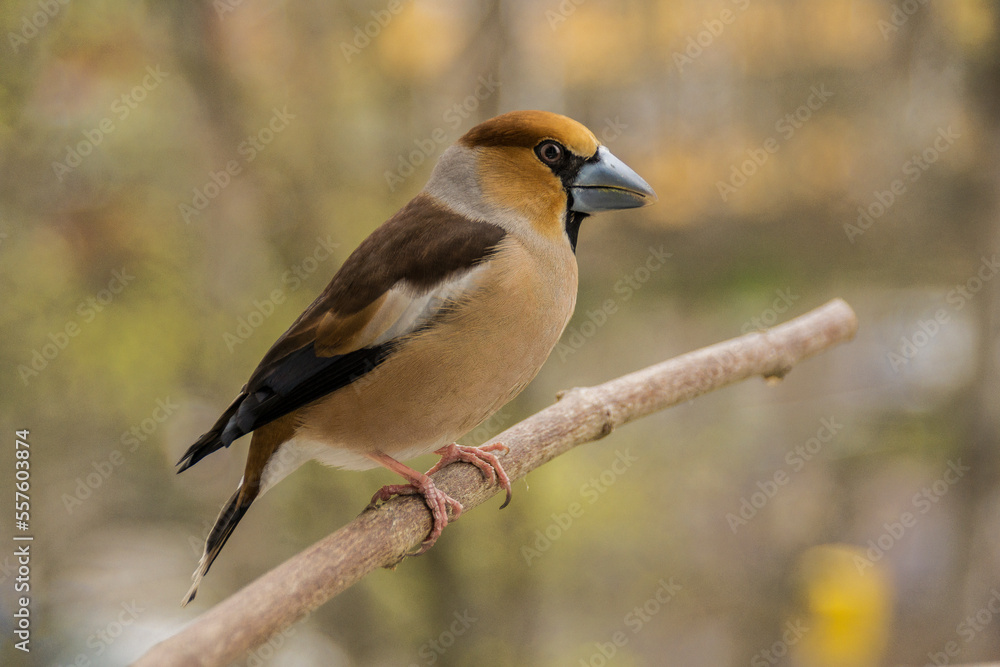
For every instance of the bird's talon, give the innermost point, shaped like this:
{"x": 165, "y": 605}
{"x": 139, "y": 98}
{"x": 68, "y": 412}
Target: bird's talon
{"x": 436, "y": 500}
{"x": 495, "y": 447}
{"x": 390, "y": 490}
{"x": 481, "y": 457}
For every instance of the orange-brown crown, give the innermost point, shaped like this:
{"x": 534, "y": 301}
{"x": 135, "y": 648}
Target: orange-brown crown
{"x": 526, "y": 129}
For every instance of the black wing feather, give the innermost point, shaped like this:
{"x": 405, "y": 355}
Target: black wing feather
{"x": 299, "y": 378}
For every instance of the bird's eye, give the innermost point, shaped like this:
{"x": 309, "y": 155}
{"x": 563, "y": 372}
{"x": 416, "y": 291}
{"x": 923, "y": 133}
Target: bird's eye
{"x": 549, "y": 152}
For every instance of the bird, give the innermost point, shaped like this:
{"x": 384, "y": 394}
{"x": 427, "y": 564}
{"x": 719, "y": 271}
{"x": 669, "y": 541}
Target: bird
{"x": 434, "y": 322}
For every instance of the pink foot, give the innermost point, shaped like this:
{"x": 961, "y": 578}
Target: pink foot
{"x": 480, "y": 457}
{"x": 436, "y": 499}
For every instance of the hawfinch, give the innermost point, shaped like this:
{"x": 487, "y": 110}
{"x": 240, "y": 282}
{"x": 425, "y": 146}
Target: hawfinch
{"x": 434, "y": 322}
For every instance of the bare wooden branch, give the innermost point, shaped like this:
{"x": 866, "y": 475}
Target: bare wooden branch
{"x": 382, "y": 537}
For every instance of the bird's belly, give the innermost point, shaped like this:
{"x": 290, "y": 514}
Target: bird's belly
{"x": 444, "y": 381}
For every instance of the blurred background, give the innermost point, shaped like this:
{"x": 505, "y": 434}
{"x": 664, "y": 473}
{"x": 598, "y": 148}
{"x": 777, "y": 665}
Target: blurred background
{"x": 179, "y": 180}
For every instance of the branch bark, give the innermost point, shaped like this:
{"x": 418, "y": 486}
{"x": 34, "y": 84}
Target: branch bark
{"x": 382, "y": 537}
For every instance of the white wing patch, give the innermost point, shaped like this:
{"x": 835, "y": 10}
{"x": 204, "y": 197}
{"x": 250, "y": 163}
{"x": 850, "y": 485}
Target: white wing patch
{"x": 408, "y": 311}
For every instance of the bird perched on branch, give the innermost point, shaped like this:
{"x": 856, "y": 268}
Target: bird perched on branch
{"x": 433, "y": 323}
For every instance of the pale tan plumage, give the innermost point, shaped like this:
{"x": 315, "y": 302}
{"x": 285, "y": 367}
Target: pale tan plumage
{"x": 438, "y": 319}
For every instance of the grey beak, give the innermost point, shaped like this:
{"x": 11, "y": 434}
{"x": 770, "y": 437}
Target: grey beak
{"x": 608, "y": 184}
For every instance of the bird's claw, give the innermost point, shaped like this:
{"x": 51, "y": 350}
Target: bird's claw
{"x": 437, "y": 501}
{"x": 480, "y": 457}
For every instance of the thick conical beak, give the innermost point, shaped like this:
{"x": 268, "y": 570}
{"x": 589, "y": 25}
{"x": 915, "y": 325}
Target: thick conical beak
{"x": 608, "y": 184}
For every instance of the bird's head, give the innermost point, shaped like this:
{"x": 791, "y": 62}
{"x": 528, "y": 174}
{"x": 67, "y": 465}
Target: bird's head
{"x": 539, "y": 169}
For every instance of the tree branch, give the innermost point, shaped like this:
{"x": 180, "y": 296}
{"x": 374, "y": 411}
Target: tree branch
{"x": 381, "y": 537}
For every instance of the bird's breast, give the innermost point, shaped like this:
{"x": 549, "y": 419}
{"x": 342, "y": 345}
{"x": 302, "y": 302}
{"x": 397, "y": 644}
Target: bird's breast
{"x": 445, "y": 379}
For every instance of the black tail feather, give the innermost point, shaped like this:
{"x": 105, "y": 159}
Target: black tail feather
{"x": 230, "y": 516}
{"x": 217, "y": 437}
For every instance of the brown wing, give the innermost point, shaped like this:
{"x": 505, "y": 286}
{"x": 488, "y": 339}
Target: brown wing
{"x": 417, "y": 261}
